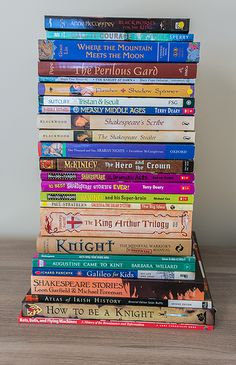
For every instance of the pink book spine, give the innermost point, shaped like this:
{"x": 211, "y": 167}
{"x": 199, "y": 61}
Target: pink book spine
{"x": 116, "y": 176}
{"x": 107, "y": 323}
{"x": 118, "y": 187}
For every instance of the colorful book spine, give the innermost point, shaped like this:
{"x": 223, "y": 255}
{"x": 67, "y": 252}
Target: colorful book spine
{"x": 119, "y": 69}
{"x": 108, "y": 323}
{"x": 118, "y": 198}
{"x": 116, "y": 150}
{"x": 157, "y": 268}
{"x": 115, "y": 312}
{"x": 116, "y": 102}
{"x": 92, "y": 205}
{"x": 115, "y": 110}
{"x": 121, "y": 187}
{"x": 120, "y": 90}
{"x": 121, "y": 80}
{"x": 118, "y": 51}
{"x": 118, "y": 165}
{"x": 157, "y": 25}
{"x": 132, "y": 274}
{"x": 116, "y": 176}
{"x": 84, "y": 136}
{"x": 115, "y": 122}
{"x": 118, "y": 36}
{"x": 117, "y": 288}
{"x": 114, "y": 246}
{"x": 126, "y": 223}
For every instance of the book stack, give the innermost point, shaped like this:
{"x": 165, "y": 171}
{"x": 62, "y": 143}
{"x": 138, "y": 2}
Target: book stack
{"x": 116, "y": 131}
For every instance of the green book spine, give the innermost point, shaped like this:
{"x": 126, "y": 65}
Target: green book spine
{"x": 132, "y": 258}
{"x": 96, "y": 264}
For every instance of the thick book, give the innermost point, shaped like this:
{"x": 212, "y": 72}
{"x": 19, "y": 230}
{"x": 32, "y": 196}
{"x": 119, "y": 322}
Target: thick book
{"x": 117, "y": 165}
{"x": 114, "y": 246}
{"x": 104, "y": 70}
{"x": 113, "y": 51}
{"x": 114, "y": 312}
{"x": 116, "y": 150}
{"x": 105, "y": 24}
{"x": 116, "y": 223}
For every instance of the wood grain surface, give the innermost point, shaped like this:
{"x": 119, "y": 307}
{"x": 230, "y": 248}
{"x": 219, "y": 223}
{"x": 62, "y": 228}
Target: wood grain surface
{"x": 46, "y": 344}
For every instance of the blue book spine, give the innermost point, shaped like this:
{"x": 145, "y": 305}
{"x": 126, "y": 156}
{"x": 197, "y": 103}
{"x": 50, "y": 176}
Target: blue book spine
{"x": 116, "y": 150}
{"x": 76, "y": 50}
{"x": 123, "y": 274}
{"x": 115, "y": 110}
{"x": 156, "y": 25}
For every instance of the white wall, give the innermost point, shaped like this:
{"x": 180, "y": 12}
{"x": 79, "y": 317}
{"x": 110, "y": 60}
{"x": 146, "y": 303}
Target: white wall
{"x": 213, "y": 22}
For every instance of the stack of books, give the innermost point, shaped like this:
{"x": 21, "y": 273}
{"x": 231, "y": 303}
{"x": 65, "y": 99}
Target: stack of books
{"x": 116, "y": 131}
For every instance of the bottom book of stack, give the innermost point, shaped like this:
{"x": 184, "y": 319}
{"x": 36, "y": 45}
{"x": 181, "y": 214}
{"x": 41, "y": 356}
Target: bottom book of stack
{"x": 124, "y": 302}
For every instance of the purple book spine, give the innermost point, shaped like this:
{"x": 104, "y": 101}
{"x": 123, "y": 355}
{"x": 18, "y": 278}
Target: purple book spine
{"x": 117, "y": 176}
{"x": 109, "y": 187}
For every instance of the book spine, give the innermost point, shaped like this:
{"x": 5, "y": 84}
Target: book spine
{"x": 115, "y": 258}
{"x": 118, "y": 51}
{"x": 92, "y": 205}
{"x": 121, "y": 80}
{"x": 116, "y": 102}
{"x": 115, "y": 122}
{"x": 114, "y": 246}
{"x": 176, "y": 303}
{"x": 115, "y": 110}
{"x": 121, "y": 187}
{"x": 118, "y": 165}
{"x": 115, "y": 312}
{"x": 116, "y": 287}
{"x": 116, "y": 150}
{"x": 132, "y": 274}
{"x": 161, "y": 224}
{"x": 157, "y": 25}
{"x": 118, "y": 70}
{"x": 119, "y": 90}
{"x": 84, "y": 136}
{"x": 107, "y": 323}
{"x": 34, "y": 298}
{"x": 118, "y": 198}
{"x": 116, "y": 176}
{"x": 118, "y": 36}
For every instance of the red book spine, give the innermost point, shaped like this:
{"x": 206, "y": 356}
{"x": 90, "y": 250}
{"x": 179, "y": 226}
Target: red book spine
{"x": 109, "y": 69}
{"x": 107, "y": 323}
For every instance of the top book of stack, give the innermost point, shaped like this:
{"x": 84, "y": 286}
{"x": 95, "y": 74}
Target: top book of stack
{"x": 155, "y": 25}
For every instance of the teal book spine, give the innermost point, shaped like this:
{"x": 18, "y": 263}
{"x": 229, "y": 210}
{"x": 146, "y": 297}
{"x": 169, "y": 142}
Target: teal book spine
{"x": 183, "y": 259}
{"x": 124, "y": 265}
{"x": 118, "y": 36}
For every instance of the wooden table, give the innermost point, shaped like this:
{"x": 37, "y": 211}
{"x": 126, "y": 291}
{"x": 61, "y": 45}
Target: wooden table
{"x": 45, "y": 345}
